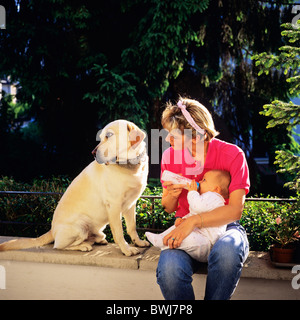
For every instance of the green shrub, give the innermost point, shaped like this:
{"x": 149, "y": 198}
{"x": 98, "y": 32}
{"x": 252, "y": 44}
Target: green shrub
{"x": 257, "y": 218}
{"x": 32, "y": 209}
{"x": 38, "y": 209}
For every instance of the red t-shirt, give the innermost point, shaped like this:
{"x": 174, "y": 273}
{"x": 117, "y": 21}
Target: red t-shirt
{"x": 220, "y": 156}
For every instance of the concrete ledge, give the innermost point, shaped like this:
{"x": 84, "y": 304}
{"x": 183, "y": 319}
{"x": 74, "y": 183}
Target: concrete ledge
{"x": 108, "y": 256}
{"x": 106, "y": 274}
{"x": 258, "y": 264}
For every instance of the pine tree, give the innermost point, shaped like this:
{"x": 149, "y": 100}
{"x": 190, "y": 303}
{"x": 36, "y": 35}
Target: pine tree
{"x": 285, "y": 114}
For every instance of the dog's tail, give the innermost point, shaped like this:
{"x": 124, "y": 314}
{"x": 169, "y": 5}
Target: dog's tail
{"x": 27, "y": 243}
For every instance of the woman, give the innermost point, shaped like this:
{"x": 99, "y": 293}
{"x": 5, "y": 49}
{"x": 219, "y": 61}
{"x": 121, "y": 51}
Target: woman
{"x": 194, "y": 151}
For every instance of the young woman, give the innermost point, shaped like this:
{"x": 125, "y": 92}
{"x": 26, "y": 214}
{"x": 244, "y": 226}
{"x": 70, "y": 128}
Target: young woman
{"x": 194, "y": 151}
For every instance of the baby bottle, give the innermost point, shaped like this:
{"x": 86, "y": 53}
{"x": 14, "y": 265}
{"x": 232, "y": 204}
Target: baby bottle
{"x": 176, "y": 178}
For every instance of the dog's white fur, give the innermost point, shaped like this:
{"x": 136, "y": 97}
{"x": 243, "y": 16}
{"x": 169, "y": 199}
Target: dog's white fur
{"x": 104, "y": 191}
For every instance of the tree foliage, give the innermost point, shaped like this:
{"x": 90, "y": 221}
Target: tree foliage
{"x": 222, "y": 75}
{"x": 155, "y": 53}
{"x": 285, "y": 114}
{"x": 80, "y": 64}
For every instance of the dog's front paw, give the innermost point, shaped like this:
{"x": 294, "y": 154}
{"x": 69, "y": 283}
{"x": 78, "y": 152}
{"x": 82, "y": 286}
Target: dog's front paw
{"x": 141, "y": 243}
{"x": 130, "y": 251}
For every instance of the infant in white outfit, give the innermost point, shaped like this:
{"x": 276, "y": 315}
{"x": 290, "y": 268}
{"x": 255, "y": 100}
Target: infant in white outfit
{"x": 213, "y": 190}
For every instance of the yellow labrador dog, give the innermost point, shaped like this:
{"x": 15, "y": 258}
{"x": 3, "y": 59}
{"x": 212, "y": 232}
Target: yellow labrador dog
{"x": 104, "y": 191}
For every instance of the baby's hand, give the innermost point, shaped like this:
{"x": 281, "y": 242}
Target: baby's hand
{"x": 192, "y": 186}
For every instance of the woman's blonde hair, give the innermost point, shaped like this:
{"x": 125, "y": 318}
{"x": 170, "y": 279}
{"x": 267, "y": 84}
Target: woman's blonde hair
{"x": 173, "y": 118}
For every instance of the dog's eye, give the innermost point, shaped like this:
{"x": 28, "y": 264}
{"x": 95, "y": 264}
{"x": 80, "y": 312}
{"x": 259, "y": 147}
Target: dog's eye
{"x": 109, "y": 134}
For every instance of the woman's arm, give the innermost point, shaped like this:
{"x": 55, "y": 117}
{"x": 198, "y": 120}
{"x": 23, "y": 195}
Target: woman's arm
{"x": 217, "y": 217}
{"x": 170, "y": 196}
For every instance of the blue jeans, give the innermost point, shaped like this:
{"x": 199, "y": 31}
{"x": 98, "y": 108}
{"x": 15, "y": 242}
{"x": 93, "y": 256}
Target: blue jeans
{"x": 175, "y": 268}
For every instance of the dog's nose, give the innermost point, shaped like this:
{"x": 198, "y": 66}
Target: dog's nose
{"x": 94, "y": 152}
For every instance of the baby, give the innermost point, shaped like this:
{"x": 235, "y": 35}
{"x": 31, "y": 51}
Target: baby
{"x": 212, "y": 194}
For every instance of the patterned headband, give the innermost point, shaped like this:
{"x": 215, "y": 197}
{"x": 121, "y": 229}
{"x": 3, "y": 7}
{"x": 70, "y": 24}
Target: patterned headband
{"x": 189, "y": 118}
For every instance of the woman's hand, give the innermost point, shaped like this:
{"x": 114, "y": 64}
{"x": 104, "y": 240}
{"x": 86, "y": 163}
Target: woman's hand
{"x": 174, "y": 190}
{"x": 170, "y": 196}
{"x": 174, "y": 238}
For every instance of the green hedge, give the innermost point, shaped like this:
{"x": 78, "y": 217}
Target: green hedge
{"x": 39, "y": 209}
{"x": 258, "y": 216}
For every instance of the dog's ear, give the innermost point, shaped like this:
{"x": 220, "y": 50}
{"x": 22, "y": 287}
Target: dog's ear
{"x": 136, "y": 135}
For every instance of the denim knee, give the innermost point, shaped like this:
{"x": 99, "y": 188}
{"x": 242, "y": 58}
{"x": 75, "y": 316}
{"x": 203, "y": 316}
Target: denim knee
{"x": 225, "y": 264}
{"x": 225, "y": 254}
{"x": 230, "y": 251}
{"x": 174, "y": 274}
{"x": 173, "y": 265}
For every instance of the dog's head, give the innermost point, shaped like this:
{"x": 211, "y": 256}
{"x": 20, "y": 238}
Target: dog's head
{"x": 120, "y": 141}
